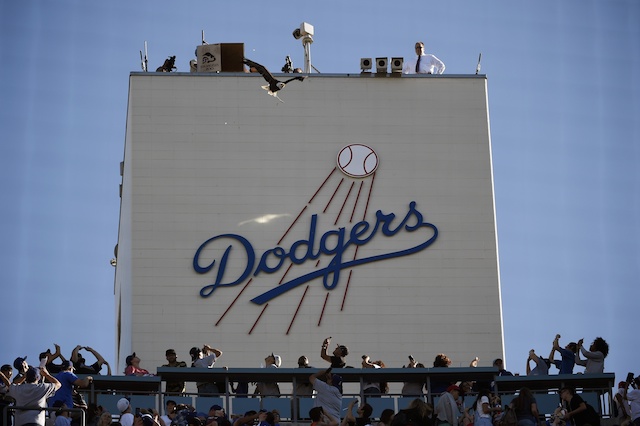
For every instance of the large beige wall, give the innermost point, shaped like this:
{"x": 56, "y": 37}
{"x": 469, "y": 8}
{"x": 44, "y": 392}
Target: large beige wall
{"x": 207, "y": 155}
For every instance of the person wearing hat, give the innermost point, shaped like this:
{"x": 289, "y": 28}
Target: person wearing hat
{"x": 217, "y": 416}
{"x": 270, "y": 389}
{"x": 21, "y": 365}
{"x": 79, "y": 362}
{"x": 337, "y": 357}
{"x": 174, "y": 388}
{"x": 329, "y": 392}
{"x": 206, "y": 358}
{"x": 68, "y": 380}
{"x": 51, "y": 367}
{"x": 447, "y": 411}
{"x": 133, "y": 367}
{"x": 32, "y": 393}
{"x": 124, "y": 407}
{"x": 62, "y": 415}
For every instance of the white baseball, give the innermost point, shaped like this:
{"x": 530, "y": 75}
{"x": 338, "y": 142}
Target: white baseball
{"x": 357, "y": 160}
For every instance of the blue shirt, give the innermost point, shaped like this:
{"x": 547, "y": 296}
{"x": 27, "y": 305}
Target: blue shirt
{"x": 568, "y": 361}
{"x": 65, "y": 393}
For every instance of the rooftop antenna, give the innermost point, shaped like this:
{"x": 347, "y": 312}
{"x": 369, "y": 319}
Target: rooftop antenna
{"x": 203, "y": 40}
{"x": 144, "y": 61}
{"x": 478, "y": 67}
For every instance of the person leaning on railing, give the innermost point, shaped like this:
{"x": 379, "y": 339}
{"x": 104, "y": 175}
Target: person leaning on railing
{"x": 33, "y": 394}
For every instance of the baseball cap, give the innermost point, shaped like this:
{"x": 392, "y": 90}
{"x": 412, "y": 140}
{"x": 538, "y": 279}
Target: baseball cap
{"x": 32, "y": 374}
{"x": 123, "y": 404}
{"x": 453, "y": 387}
{"x": 17, "y": 363}
{"x": 130, "y": 358}
{"x": 215, "y": 407}
{"x": 65, "y": 364}
{"x": 194, "y": 351}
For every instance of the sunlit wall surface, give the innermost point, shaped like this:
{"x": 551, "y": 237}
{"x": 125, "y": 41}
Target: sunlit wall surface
{"x": 359, "y": 208}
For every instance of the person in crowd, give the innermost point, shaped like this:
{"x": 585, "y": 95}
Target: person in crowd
{"x": 438, "y": 385}
{"x": 53, "y": 368}
{"x": 31, "y": 393}
{"x": 542, "y": 365}
{"x": 526, "y": 408}
{"x": 169, "y": 412}
{"x": 413, "y": 389}
{"x": 174, "y": 388}
{"x": 248, "y": 419}
{"x": 425, "y": 63}
{"x": 266, "y": 418}
{"x": 62, "y": 414}
{"x": 303, "y": 387}
{"x": 417, "y": 413}
{"x": 94, "y": 411}
{"x": 205, "y": 358}
{"x": 217, "y": 416}
{"x": 623, "y": 417}
{"x": 270, "y": 389}
{"x": 633, "y": 396}
{"x": 5, "y": 399}
{"x": 594, "y": 362}
{"x": 337, "y": 358}
{"x": 499, "y": 364}
{"x": 329, "y": 392}
{"x": 373, "y": 388}
{"x": 386, "y": 417}
{"x": 321, "y": 418}
{"x": 568, "y": 354}
{"x": 68, "y": 380}
{"x": 578, "y": 411}
{"x": 133, "y": 367}
{"x": 364, "y": 412}
{"x": 80, "y": 363}
{"x": 105, "y": 419}
{"x": 447, "y": 412}
{"x": 483, "y": 409}
{"x": 124, "y": 407}
{"x": 22, "y": 366}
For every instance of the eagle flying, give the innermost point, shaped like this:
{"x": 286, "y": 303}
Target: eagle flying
{"x": 274, "y": 85}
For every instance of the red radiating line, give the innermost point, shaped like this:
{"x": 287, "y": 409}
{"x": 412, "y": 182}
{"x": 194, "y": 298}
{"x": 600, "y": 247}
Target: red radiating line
{"x": 344, "y": 296}
{"x": 323, "y": 306}
{"x": 325, "y": 181}
{"x": 234, "y": 301}
{"x": 356, "y": 203}
{"x": 297, "y": 309}
{"x": 291, "y": 226}
{"x": 373, "y": 178}
{"x": 317, "y": 263}
{"x": 334, "y": 194}
{"x": 344, "y": 202}
{"x": 285, "y": 274}
{"x": 258, "y": 319}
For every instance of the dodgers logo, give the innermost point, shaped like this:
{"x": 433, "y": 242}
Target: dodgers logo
{"x": 355, "y": 161}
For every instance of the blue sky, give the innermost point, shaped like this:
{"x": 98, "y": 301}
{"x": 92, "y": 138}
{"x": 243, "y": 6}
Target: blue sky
{"x": 565, "y": 127}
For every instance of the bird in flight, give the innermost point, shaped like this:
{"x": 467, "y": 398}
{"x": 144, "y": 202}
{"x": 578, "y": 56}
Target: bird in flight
{"x": 274, "y": 85}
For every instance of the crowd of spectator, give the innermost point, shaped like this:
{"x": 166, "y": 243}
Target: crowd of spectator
{"x": 53, "y": 387}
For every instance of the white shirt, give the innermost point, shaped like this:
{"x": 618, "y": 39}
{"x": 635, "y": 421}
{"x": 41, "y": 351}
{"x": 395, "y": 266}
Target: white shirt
{"x": 633, "y": 396}
{"x": 429, "y": 64}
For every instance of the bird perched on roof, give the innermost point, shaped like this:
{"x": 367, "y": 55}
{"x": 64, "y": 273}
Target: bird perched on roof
{"x": 274, "y": 85}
